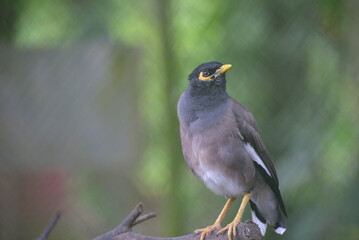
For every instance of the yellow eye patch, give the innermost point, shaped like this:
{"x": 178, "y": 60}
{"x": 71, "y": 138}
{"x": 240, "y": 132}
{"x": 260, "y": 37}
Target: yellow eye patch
{"x": 201, "y": 77}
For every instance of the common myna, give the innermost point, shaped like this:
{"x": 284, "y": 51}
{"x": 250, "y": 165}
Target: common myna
{"x": 222, "y": 146}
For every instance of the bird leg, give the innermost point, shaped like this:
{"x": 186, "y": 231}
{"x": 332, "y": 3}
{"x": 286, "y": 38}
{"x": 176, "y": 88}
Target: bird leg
{"x": 232, "y": 227}
{"x": 217, "y": 224}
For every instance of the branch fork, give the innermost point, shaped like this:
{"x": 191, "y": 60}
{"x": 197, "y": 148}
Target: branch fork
{"x": 245, "y": 231}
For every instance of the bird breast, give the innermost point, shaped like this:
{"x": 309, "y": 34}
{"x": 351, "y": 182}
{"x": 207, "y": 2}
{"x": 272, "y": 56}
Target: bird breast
{"x": 216, "y": 154}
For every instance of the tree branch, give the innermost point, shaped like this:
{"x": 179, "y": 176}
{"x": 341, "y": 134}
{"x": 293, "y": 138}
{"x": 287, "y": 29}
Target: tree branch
{"x": 45, "y": 234}
{"x": 246, "y": 231}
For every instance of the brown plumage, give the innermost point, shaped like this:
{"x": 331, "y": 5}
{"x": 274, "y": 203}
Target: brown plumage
{"x": 222, "y": 146}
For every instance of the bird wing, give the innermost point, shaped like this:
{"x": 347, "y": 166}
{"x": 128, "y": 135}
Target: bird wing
{"x": 249, "y": 131}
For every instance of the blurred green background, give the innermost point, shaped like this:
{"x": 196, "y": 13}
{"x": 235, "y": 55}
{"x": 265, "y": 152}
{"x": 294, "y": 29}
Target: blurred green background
{"x": 88, "y": 94}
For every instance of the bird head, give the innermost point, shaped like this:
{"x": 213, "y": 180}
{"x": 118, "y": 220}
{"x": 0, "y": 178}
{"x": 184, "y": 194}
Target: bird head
{"x": 209, "y": 74}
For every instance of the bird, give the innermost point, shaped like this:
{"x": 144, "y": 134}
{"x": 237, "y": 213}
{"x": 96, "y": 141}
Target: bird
{"x": 222, "y": 145}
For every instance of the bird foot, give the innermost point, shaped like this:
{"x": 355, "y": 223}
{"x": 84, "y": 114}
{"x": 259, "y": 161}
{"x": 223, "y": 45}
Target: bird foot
{"x": 231, "y": 228}
{"x": 207, "y": 231}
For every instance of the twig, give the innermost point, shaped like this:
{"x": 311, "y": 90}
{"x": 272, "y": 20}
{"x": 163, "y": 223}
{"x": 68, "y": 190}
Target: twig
{"x": 144, "y": 218}
{"x": 45, "y": 234}
{"x": 246, "y": 231}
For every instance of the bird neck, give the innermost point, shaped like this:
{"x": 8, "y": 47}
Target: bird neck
{"x": 207, "y": 97}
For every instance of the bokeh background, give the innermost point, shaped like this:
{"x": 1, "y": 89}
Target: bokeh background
{"x": 88, "y": 94}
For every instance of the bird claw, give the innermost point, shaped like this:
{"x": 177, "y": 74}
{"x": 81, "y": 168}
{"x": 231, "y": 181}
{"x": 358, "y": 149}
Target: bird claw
{"x": 231, "y": 228}
{"x": 207, "y": 231}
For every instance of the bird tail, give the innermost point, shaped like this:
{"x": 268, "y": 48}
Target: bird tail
{"x": 258, "y": 218}
{"x": 280, "y": 227}
{"x": 262, "y": 215}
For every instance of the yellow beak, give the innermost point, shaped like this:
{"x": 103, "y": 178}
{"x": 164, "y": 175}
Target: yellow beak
{"x": 224, "y": 68}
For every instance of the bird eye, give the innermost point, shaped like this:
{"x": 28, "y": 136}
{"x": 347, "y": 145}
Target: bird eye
{"x": 205, "y": 74}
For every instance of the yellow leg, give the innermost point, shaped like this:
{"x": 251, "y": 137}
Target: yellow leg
{"x": 217, "y": 224}
{"x": 232, "y": 227}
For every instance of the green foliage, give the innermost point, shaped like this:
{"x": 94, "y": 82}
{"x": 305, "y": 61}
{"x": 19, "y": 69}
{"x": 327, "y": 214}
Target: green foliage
{"x": 291, "y": 68}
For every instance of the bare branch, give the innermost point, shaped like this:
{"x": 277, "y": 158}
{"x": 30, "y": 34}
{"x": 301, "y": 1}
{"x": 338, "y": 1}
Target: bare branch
{"x": 144, "y": 218}
{"x": 246, "y": 231}
{"x": 45, "y": 234}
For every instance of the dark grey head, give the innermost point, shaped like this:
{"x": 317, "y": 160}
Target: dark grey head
{"x": 206, "y": 91}
{"x": 209, "y": 76}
